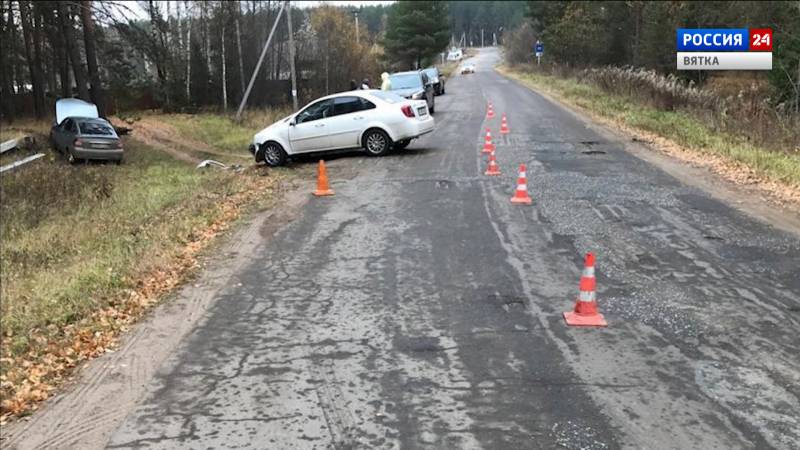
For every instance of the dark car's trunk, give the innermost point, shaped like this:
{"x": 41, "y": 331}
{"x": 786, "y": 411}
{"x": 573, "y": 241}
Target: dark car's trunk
{"x": 99, "y": 142}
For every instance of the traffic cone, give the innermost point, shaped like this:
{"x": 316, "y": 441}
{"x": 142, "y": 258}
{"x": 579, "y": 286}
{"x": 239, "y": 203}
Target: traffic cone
{"x": 585, "y": 313}
{"x": 323, "y": 188}
{"x": 521, "y": 194}
{"x": 488, "y": 147}
{"x": 504, "y": 125}
{"x": 490, "y": 112}
{"x": 493, "y": 168}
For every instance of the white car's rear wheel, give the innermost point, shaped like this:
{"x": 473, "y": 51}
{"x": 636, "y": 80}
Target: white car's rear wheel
{"x": 376, "y": 142}
{"x": 273, "y": 154}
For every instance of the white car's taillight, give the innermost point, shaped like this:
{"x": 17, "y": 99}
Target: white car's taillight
{"x": 407, "y": 111}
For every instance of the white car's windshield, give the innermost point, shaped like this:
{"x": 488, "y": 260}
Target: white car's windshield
{"x": 432, "y": 73}
{"x": 406, "y": 81}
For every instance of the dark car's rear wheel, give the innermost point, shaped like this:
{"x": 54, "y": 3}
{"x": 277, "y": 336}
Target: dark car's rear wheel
{"x": 272, "y": 154}
{"x": 376, "y": 142}
{"x": 399, "y": 145}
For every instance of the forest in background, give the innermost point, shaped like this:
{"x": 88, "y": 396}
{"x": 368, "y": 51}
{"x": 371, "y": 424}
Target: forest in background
{"x": 641, "y": 34}
{"x": 190, "y": 55}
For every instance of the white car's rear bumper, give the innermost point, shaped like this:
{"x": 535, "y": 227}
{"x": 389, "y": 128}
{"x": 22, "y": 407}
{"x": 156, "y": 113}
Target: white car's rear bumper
{"x": 415, "y": 128}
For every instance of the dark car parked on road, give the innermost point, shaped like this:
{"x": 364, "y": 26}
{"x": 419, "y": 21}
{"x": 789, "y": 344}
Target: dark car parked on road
{"x": 436, "y": 78}
{"x": 79, "y": 133}
{"x": 414, "y": 85}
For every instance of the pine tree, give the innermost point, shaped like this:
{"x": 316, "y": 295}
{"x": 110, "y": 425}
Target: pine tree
{"x": 416, "y": 31}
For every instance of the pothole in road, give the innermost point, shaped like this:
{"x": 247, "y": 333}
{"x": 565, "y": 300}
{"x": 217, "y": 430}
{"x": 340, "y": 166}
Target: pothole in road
{"x": 507, "y": 302}
{"x": 443, "y": 184}
{"x": 593, "y": 152}
{"x": 714, "y": 238}
{"x": 420, "y": 344}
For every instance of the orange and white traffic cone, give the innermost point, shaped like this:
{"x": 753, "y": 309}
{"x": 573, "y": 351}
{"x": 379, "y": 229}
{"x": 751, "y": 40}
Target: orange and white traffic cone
{"x": 490, "y": 112}
{"x": 585, "y": 313}
{"x": 504, "y": 125}
{"x": 488, "y": 147}
{"x": 521, "y": 194}
{"x": 323, "y": 188}
{"x": 493, "y": 168}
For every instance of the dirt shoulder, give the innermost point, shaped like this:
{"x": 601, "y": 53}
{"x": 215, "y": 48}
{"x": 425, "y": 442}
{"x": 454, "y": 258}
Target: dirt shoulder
{"x": 81, "y": 416}
{"x": 90, "y": 249}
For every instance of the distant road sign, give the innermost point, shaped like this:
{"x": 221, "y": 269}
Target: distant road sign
{"x": 539, "y": 49}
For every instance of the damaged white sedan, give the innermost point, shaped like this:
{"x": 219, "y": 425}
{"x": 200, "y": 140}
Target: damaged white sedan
{"x": 376, "y": 120}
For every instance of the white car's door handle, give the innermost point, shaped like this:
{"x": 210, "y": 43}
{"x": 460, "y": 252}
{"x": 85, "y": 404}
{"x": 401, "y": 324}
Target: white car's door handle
{"x": 358, "y": 117}
{"x": 319, "y": 125}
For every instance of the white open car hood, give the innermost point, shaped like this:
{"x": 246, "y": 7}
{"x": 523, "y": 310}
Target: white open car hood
{"x": 73, "y": 107}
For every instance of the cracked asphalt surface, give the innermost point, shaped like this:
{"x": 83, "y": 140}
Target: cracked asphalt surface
{"x": 419, "y": 308}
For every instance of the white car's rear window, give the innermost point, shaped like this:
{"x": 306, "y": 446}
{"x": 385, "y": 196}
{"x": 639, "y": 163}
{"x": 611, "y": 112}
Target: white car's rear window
{"x": 388, "y": 97}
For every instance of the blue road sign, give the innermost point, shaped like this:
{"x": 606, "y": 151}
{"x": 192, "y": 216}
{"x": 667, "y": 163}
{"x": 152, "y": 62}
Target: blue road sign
{"x": 539, "y": 47}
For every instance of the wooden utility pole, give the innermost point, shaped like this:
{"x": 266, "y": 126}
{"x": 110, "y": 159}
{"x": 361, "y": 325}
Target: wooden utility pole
{"x": 258, "y": 64}
{"x": 291, "y": 54}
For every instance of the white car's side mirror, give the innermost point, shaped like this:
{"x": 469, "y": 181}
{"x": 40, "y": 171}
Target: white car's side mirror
{"x": 293, "y": 122}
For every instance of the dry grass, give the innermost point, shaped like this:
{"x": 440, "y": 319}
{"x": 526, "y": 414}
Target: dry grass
{"x": 86, "y": 249}
{"x": 23, "y": 127}
{"x": 737, "y": 106}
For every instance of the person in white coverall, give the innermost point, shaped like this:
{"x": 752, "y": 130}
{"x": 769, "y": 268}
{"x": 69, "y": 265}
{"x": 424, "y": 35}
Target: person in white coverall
{"x": 386, "y": 85}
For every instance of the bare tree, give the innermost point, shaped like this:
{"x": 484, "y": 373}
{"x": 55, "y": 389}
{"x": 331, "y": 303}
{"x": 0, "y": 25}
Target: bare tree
{"x": 224, "y": 71}
{"x": 7, "y": 70}
{"x": 206, "y": 38}
{"x": 91, "y": 55}
{"x": 239, "y": 47}
{"x": 30, "y": 35}
{"x": 188, "y": 54}
{"x": 65, "y": 17}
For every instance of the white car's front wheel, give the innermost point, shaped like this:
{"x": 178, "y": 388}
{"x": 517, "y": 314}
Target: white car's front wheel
{"x": 273, "y": 154}
{"x": 376, "y": 142}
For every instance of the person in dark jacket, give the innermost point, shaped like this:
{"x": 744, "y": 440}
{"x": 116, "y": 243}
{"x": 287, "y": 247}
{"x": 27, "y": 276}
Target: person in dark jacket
{"x": 353, "y": 85}
{"x": 365, "y": 84}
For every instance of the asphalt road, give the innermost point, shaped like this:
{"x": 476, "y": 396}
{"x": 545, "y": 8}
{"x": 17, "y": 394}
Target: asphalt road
{"x": 419, "y": 308}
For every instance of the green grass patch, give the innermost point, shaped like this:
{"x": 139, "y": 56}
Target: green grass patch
{"x": 678, "y": 126}
{"x": 221, "y": 137}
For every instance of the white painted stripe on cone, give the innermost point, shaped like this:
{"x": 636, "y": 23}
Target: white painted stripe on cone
{"x": 586, "y": 296}
{"x": 522, "y": 187}
{"x": 588, "y": 272}
{"x": 523, "y": 175}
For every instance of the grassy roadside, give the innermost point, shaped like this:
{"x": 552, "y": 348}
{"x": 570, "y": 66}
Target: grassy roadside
{"x": 87, "y": 249}
{"x": 219, "y": 137}
{"x": 782, "y": 167}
